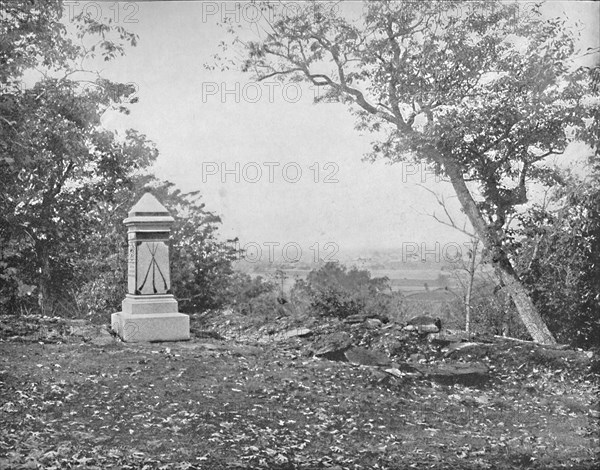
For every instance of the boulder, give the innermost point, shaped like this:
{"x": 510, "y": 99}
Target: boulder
{"x": 365, "y": 357}
{"x": 103, "y": 337}
{"x": 332, "y": 346}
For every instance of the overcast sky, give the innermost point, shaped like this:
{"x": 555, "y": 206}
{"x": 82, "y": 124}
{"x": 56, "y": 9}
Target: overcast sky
{"x": 294, "y": 169}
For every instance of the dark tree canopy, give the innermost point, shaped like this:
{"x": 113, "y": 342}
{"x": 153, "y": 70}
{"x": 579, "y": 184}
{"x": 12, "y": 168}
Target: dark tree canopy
{"x": 67, "y": 181}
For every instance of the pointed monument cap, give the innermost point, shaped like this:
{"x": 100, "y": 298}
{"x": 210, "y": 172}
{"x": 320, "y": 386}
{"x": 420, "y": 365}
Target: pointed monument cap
{"x": 148, "y": 205}
{"x": 148, "y": 209}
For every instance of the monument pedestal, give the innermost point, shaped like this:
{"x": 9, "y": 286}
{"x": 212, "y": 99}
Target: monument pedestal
{"x": 150, "y": 318}
{"x": 149, "y": 311}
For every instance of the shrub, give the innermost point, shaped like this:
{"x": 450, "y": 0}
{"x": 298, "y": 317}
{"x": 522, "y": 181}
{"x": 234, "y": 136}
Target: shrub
{"x": 335, "y": 291}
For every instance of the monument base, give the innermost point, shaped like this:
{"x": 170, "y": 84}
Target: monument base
{"x": 139, "y": 327}
{"x": 136, "y": 304}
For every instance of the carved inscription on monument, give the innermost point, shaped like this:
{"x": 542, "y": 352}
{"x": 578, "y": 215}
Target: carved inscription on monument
{"x": 131, "y": 264}
{"x": 152, "y": 275}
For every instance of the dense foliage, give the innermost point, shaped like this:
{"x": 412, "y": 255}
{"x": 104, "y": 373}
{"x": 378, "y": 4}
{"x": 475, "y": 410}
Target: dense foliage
{"x": 336, "y": 291}
{"x": 67, "y": 181}
{"x": 559, "y": 255}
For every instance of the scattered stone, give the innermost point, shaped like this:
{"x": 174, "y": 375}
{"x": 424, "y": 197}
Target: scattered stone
{"x": 365, "y": 357}
{"x": 402, "y": 370}
{"x": 103, "y": 337}
{"x": 373, "y": 323}
{"x": 416, "y": 357}
{"x": 363, "y": 317}
{"x": 395, "y": 372}
{"x": 214, "y": 347}
{"x": 460, "y": 346}
{"x": 295, "y": 333}
{"x": 433, "y": 328}
{"x": 358, "y": 318}
{"x": 206, "y": 334}
{"x": 245, "y": 351}
{"x": 445, "y": 338}
{"x": 424, "y": 324}
{"x": 84, "y": 330}
{"x": 401, "y": 374}
{"x": 379, "y": 376}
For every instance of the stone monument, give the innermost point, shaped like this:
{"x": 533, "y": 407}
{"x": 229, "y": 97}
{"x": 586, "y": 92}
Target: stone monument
{"x": 149, "y": 311}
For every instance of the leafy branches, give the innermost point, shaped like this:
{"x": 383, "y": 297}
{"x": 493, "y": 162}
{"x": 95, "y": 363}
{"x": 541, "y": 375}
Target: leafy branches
{"x": 483, "y": 94}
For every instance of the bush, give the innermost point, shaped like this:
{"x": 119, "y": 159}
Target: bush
{"x": 335, "y": 291}
{"x": 251, "y": 296}
{"x": 558, "y": 254}
{"x": 494, "y": 313}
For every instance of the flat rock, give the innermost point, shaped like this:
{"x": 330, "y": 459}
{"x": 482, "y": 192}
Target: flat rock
{"x": 366, "y": 357}
{"x": 358, "y": 318}
{"x": 461, "y": 346}
{"x": 445, "y": 338}
{"x": 283, "y": 335}
{"x": 456, "y": 372}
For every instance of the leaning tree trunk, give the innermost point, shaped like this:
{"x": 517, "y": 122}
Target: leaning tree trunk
{"x": 527, "y": 310}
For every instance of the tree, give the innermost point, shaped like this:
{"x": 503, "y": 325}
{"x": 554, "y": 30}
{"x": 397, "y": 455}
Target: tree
{"x": 483, "y": 92}
{"x": 56, "y": 160}
{"x": 465, "y": 272}
{"x": 201, "y": 264}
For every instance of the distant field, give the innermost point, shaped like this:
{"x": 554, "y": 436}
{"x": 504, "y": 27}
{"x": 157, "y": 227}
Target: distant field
{"x": 406, "y": 281}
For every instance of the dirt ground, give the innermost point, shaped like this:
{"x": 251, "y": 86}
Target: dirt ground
{"x": 72, "y": 396}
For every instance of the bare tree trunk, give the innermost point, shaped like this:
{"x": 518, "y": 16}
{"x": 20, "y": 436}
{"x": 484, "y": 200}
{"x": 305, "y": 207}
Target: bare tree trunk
{"x": 527, "y": 311}
{"x": 45, "y": 296}
{"x": 469, "y": 292}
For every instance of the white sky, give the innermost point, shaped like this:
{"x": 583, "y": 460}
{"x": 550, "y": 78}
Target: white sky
{"x": 369, "y": 206}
